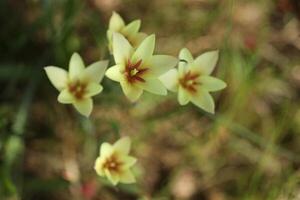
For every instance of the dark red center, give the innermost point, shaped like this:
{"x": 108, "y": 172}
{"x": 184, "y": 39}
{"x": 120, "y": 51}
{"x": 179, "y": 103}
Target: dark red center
{"x": 190, "y": 81}
{"x": 134, "y": 71}
{"x": 112, "y": 164}
{"x": 78, "y": 89}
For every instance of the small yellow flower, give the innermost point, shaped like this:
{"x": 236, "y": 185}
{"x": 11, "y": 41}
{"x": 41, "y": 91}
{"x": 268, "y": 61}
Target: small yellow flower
{"x": 129, "y": 31}
{"x": 192, "y": 80}
{"x": 137, "y": 69}
{"x": 115, "y": 163}
{"x": 79, "y": 84}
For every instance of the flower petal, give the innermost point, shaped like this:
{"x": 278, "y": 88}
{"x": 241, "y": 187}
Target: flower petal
{"x": 106, "y": 149}
{"x": 162, "y": 63}
{"x": 114, "y": 73}
{"x": 183, "y": 96}
{"x": 145, "y": 49}
{"x": 206, "y": 62}
{"x": 138, "y": 38}
{"x": 129, "y": 161}
{"x": 92, "y": 89}
{"x": 185, "y": 58}
{"x": 170, "y": 80}
{"x": 84, "y": 106}
{"x": 65, "y": 97}
{"x": 186, "y": 55}
{"x": 113, "y": 177}
{"x": 123, "y": 145}
{"x": 109, "y": 35}
{"x": 95, "y": 71}
{"x": 122, "y": 49}
{"x": 154, "y": 85}
{"x": 132, "y": 28}
{"x": 204, "y": 100}
{"x": 116, "y": 23}
{"x": 132, "y": 92}
{"x": 127, "y": 177}
{"x": 183, "y": 68}
{"x": 57, "y": 76}
{"x": 76, "y": 66}
{"x": 211, "y": 83}
{"x": 98, "y": 166}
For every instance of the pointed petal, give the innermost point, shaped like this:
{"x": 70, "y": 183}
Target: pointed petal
{"x": 57, "y": 76}
{"x": 138, "y": 38}
{"x": 112, "y": 177}
{"x": 84, "y": 106}
{"x": 170, "y": 80}
{"x": 98, "y": 166}
{"x": 123, "y": 145}
{"x": 65, "y": 97}
{"x": 204, "y": 100}
{"x": 106, "y": 149}
{"x": 183, "y": 96}
{"x": 114, "y": 73}
{"x": 185, "y": 57}
{"x": 127, "y": 177}
{"x": 109, "y": 35}
{"x": 76, "y": 66}
{"x": 154, "y": 86}
{"x": 116, "y": 23}
{"x": 129, "y": 161}
{"x": 122, "y": 49}
{"x": 92, "y": 89}
{"x": 95, "y": 71}
{"x": 145, "y": 49}
{"x": 211, "y": 83}
{"x": 206, "y": 62}
{"x": 132, "y": 92}
{"x": 132, "y": 28}
{"x": 162, "y": 63}
{"x": 183, "y": 68}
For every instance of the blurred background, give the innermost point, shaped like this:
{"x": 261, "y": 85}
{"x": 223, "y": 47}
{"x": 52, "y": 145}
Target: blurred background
{"x": 248, "y": 150}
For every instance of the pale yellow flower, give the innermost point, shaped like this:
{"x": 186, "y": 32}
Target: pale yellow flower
{"x": 129, "y": 31}
{"x": 192, "y": 80}
{"x": 79, "y": 84}
{"x": 115, "y": 163}
{"x": 137, "y": 69}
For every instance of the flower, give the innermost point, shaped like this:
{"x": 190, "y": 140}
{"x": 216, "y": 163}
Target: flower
{"x": 115, "y": 163}
{"x": 79, "y": 84}
{"x": 192, "y": 80}
{"x": 137, "y": 69}
{"x": 129, "y": 31}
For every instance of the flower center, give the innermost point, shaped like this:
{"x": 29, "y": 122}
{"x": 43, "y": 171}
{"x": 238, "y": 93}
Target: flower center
{"x": 134, "y": 72}
{"x": 112, "y": 164}
{"x": 78, "y": 89}
{"x": 190, "y": 81}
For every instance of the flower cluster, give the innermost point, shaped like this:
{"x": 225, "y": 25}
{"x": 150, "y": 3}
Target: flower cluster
{"x": 137, "y": 69}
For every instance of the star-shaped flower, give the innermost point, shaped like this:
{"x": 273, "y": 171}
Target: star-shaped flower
{"x": 192, "y": 80}
{"x": 137, "y": 69}
{"x": 115, "y": 163}
{"x": 129, "y": 31}
{"x": 79, "y": 84}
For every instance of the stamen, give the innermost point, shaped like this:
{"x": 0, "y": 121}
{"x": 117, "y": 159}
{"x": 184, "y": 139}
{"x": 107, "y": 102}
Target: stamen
{"x": 112, "y": 163}
{"x": 77, "y": 89}
{"x": 190, "y": 82}
{"x": 134, "y": 72}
